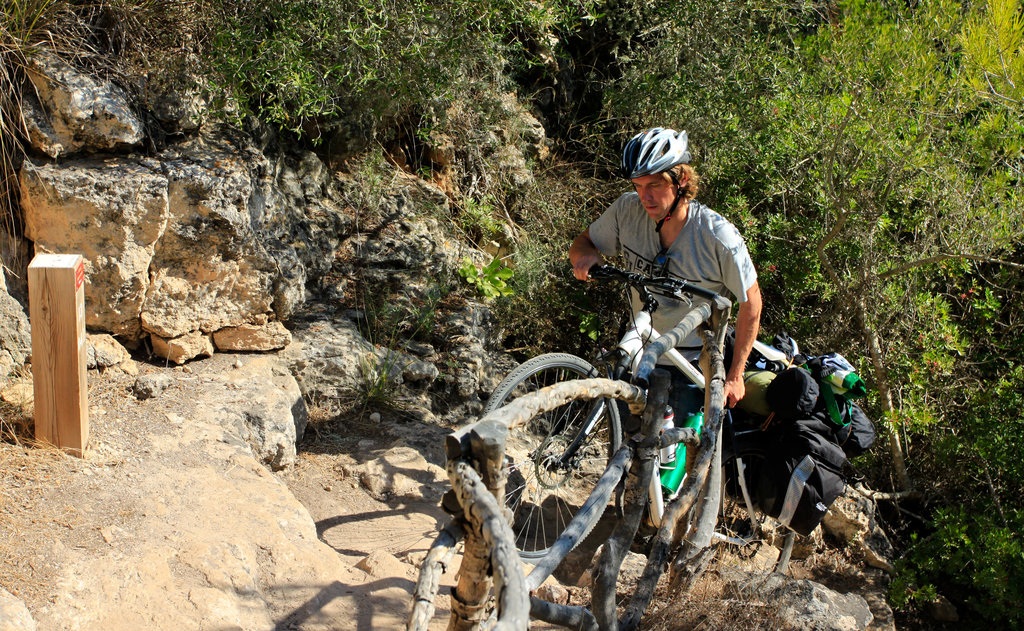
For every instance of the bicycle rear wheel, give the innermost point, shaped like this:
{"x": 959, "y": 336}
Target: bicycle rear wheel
{"x": 556, "y": 458}
{"x": 745, "y": 516}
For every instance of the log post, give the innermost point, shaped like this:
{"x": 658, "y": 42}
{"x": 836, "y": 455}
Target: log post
{"x": 674, "y": 523}
{"x": 434, "y": 565}
{"x": 57, "y": 315}
{"x": 471, "y": 595}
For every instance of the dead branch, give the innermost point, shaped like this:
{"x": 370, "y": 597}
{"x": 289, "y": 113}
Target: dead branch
{"x": 598, "y": 500}
{"x": 635, "y": 498}
{"x": 577, "y": 618}
{"x": 434, "y": 565}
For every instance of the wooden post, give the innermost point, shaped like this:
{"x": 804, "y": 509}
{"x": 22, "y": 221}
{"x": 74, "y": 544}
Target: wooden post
{"x": 57, "y": 315}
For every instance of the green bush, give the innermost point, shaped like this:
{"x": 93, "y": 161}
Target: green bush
{"x": 975, "y": 558}
{"x": 295, "y": 63}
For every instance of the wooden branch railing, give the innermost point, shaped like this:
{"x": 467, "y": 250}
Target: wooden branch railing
{"x": 492, "y": 592}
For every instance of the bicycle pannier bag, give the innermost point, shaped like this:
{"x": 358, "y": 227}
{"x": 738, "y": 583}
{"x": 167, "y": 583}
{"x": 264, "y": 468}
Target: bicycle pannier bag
{"x": 859, "y": 433}
{"x": 793, "y": 394}
{"x": 801, "y": 478}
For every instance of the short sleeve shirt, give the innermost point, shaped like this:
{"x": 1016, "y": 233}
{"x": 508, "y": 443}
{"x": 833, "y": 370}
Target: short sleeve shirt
{"x": 709, "y": 252}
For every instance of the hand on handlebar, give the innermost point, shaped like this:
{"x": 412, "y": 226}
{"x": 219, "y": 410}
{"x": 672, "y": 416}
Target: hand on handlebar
{"x": 581, "y": 268}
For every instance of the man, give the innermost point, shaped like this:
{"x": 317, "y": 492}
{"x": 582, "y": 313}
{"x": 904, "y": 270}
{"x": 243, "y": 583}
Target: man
{"x": 661, "y": 229}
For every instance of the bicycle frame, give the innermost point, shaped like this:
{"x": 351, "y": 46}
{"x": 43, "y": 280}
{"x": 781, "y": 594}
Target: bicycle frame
{"x": 632, "y": 344}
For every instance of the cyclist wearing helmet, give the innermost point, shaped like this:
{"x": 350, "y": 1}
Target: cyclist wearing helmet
{"x": 660, "y": 229}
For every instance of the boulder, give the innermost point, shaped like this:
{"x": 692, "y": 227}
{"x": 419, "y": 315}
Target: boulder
{"x": 208, "y": 270}
{"x": 197, "y": 238}
{"x": 103, "y": 351}
{"x": 152, "y": 385}
{"x": 553, "y": 592}
{"x": 252, "y": 337}
{"x": 851, "y": 520}
{"x": 75, "y": 111}
{"x": 331, "y": 359}
{"x": 15, "y": 335}
{"x": 184, "y": 347}
{"x": 381, "y": 564}
{"x": 14, "y": 615}
{"x": 112, "y": 212}
{"x": 804, "y": 605}
{"x": 264, "y": 406}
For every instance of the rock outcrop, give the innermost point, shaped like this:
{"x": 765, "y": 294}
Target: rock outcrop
{"x": 15, "y": 335}
{"x": 75, "y": 111}
{"x": 803, "y": 605}
{"x": 851, "y": 520}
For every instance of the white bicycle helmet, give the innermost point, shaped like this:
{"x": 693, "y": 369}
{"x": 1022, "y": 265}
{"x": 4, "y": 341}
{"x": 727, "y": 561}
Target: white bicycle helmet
{"x": 654, "y": 151}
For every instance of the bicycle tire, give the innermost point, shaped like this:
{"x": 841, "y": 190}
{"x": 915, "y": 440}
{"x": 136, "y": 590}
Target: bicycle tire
{"x": 542, "y": 499}
{"x": 752, "y": 451}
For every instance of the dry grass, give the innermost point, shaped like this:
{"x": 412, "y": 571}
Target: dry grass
{"x": 711, "y": 605}
{"x": 27, "y": 473}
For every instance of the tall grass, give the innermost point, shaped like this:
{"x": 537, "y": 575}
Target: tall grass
{"x": 25, "y": 25}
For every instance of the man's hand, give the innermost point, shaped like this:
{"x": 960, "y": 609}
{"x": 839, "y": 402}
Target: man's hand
{"x": 581, "y": 267}
{"x": 583, "y": 255}
{"x": 734, "y": 391}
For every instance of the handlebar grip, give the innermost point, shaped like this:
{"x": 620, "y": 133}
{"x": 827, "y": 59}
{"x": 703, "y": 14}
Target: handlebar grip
{"x": 599, "y": 272}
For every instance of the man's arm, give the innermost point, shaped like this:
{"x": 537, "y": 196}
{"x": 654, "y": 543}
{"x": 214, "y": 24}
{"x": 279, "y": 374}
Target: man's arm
{"x": 748, "y": 321}
{"x": 583, "y": 255}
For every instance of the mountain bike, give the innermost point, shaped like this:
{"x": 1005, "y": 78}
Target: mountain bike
{"x": 555, "y": 460}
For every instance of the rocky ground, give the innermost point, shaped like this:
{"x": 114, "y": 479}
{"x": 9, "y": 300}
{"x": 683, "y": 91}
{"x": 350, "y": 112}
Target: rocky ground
{"x": 174, "y": 520}
{"x": 170, "y": 521}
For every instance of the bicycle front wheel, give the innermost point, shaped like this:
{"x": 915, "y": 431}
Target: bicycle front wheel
{"x": 556, "y": 458}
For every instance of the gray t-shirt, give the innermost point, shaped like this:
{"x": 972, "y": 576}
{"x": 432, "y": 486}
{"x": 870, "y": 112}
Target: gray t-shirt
{"x": 708, "y": 252}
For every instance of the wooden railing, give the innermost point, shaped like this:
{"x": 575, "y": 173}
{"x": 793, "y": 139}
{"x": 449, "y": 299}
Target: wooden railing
{"x": 492, "y": 592}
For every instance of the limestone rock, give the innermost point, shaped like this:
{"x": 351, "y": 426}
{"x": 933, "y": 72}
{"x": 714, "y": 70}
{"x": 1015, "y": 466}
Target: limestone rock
{"x": 553, "y": 592}
{"x": 183, "y": 348}
{"x": 420, "y": 371}
{"x": 213, "y": 541}
{"x": 331, "y": 358}
{"x": 150, "y": 386}
{"x": 103, "y": 351}
{"x": 198, "y": 237}
{"x": 77, "y": 112}
{"x": 804, "y": 605}
{"x": 252, "y": 337}
{"x": 15, "y": 335}
{"x": 388, "y": 476}
{"x": 851, "y": 519}
{"x": 112, "y": 213}
{"x": 14, "y": 615}
{"x": 380, "y": 564}
{"x": 208, "y": 271}
{"x": 20, "y": 394}
{"x": 266, "y": 408}
{"x": 176, "y": 96}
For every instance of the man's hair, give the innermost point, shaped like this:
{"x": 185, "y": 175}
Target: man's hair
{"x": 692, "y": 179}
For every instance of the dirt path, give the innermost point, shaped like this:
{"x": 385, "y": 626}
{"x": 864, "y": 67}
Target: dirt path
{"x": 170, "y": 523}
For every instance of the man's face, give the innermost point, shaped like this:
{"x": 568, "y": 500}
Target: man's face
{"x": 657, "y": 192}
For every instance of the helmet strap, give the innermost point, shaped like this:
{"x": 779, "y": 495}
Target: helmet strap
{"x": 679, "y": 196}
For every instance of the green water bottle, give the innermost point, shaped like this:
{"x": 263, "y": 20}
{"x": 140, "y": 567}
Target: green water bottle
{"x": 672, "y": 478}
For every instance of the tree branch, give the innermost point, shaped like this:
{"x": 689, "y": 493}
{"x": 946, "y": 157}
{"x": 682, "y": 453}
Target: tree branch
{"x": 906, "y": 267}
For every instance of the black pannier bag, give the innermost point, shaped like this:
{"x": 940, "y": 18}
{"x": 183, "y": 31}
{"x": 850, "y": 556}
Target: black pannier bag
{"x": 859, "y": 433}
{"x": 800, "y": 477}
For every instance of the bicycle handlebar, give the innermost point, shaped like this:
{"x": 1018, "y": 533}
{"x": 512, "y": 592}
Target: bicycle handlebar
{"x": 664, "y": 283}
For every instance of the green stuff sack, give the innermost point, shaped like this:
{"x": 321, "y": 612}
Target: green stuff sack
{"x": 754, "y": 400}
